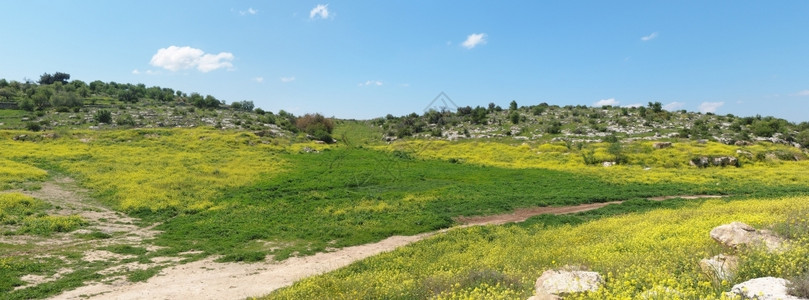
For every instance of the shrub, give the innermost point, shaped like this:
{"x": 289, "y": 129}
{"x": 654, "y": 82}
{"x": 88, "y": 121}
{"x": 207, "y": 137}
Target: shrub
{"x": 103, "y": 116}
{"x": 310, "y": 123}
{"x": 26, "y": 104}
{"x": 33, "y": 126}
{"x": 799, "y": 286}
{"x": 316, "y": 125}
{"x": 515, "y": 117}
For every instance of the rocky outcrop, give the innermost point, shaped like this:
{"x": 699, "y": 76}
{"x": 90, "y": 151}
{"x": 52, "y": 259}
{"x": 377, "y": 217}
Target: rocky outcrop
{"x": 718, "y": 161}
{"x": 555, "y": 282}
{"x": 720, "y": 267}
{"x": 661, "y": 145}
{"x": 737, "y": 233}
{"x": 764, "y": 288}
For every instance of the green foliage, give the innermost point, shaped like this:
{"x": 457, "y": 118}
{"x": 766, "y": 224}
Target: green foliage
{"x": 26, "y": 104}
{"x": 65, "y": 99}
{"x": 513, "y": 105}
{"x": 125, "y": 120}
{"x": 56, "y": 77}
{"x": 33, "y": 126}
{"x": 316, "y": 125}
{"x": 142, "y": 275}
{"x": 103, "y": 116}
{"x": 46, "y": 225}
{"x": 514, "y": 117}
{"x": 15, "y": 207}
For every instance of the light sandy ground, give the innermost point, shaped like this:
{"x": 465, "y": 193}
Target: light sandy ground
{"x": 206, "y": 279}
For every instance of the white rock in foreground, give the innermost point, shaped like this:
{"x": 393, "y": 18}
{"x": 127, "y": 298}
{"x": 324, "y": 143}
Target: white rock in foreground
{"x": 554, "y": 282}
{"x": 738, "y": 233}
{"x": 765, "y": 288}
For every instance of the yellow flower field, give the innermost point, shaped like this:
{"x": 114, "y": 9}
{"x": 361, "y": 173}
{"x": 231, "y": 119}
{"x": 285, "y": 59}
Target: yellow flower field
{"x": 654, "y": 253}
{"x": 177, "y": 169}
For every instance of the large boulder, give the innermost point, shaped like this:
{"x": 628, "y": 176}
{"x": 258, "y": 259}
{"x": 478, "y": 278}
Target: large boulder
{"x": 554, "y": 282}
{"x": 721, "y": 267}
{"x": 765, "y": 288}
{"x": 737, "y": 233}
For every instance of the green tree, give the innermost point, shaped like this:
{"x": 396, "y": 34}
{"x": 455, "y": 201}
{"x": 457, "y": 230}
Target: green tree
{"x": 97, "y": 86}
{"x": 6, "y": 93}
{"x": 656, "y": 107}
{"x": 515, "y": 117}
{"x": 803, "y": 138}
{"x": 128, "y": 96}
{"x": 56, "y": 77}
{"x": 26, "y": 104}
{"x": 103, "y": 116}
{"x": 65, "y": 99}
{"x": 512, "y": 105}
{"x": 41, "y": 98}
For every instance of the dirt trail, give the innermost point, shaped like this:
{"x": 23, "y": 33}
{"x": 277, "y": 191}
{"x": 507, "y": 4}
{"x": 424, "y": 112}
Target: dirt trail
{"x": 67, "y": 198}
{"x": 206, "y": 279}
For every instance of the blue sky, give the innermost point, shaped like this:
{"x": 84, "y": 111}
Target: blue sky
{"x": 364, "y": 59}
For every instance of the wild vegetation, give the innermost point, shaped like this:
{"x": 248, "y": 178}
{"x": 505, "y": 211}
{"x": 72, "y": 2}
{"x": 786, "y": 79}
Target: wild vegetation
{"x": 244, "y": 184}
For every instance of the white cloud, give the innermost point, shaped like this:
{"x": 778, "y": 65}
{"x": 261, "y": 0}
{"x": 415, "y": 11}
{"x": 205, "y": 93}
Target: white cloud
{"x": 176, "y": 58}
{"x": 710, "y": 107}
{"x": 649, "y": 37}
{"x": 673, "y": 106}
{"x": 321, "y": 10}
{"x": 371, "y": 82}
{"x": 633, "y": 105}
{"x": 147, "y": 72}
{"x": 603, "y": 102}
{"x": 287, "y": 79}
{"x": 474, "y": 39}
{"x": 802, "y": 93}
{"x": 249, "y": 11}
{"x": 259, "y": 79}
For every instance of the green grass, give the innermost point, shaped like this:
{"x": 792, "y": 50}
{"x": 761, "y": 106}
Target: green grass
{"x": 142, "y": 275}
{"x": 351, "y": 196}
{"x": 126, "y": 249}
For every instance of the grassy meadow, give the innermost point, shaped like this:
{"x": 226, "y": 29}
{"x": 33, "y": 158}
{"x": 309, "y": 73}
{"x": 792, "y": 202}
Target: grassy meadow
{"x": 242, "y": 197}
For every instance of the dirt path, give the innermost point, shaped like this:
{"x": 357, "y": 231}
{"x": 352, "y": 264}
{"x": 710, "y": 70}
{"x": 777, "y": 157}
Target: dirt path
{"x": 206, "y": 279}
{"x": 67, "y": 198}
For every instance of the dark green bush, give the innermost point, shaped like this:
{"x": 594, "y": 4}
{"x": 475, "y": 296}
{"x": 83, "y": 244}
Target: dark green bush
{"x": 103, "y": 116}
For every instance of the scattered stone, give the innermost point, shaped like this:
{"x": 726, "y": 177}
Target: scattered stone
{"x": 309, "y": 150}
{"x": 608, "y": 164}
{"x": 721, "y": 267}
{"x": 742, "y": 143}
{"x": 765, "y": 288}
{"x": 737, "y": 233}
{"x": 21, "y": 137}
{"x": 554, "y": 282}
{"x": 661, "y": 145}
